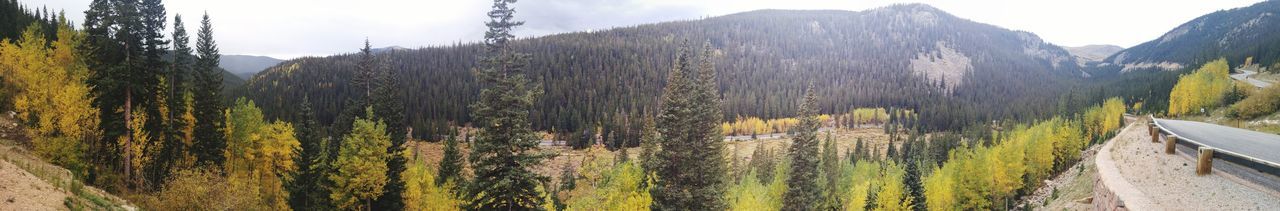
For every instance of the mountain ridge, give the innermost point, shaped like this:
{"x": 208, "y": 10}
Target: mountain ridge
{"x": 1232, "y": 34}
{"x": 913, "y": 56}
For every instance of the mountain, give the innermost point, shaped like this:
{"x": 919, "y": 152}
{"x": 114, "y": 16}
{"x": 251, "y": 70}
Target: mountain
{"x": 1233, "y": 34}
{"x": 388, "y": 49}
{"x": 952, "y": 70}
{"x": 245, "y": 66}
{"x": 1093, "y": 53}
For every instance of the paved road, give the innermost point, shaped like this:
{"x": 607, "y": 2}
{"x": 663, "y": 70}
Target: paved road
{"x": 1245, "y": 76}
{"x": 1255, "y": 144}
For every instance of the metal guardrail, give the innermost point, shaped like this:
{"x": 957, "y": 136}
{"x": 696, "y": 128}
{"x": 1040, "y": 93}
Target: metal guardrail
{"x": 1261, "y": 165}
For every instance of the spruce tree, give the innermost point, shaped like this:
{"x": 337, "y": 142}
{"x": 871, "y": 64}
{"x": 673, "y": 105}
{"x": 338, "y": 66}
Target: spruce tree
{"x": 157, "y": 94}
{"x": 649, "y": 149}
{"x": 123, "y": 44}
{"x": 451, "y": 164}
{"x": 210, "y": 140}
{"x": 362, "y": 84}
{"x": 831, "y": 175}
{"x": 388, "y": 105}
{"x": 503, "y": 155}
{"x": 179, "y": 85}
{"x": 307, "y": 190}
{"x": 803, "y": 192}
{"x": 692, "y": 169}
{"x": 914, "y": 187}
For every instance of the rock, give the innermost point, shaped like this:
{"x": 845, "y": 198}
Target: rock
{"x": 1085, "y": 200}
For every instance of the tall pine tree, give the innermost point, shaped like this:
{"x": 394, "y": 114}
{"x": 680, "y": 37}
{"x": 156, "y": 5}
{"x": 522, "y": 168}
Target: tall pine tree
{"x": 388, "y": 105}
{"x": 503, "y": 155}
{"x": 307, "y": 190}
{"x": 124, "y": 42}
{"x": 831, "y": 175}
{"x": 451, "y": 163}
{"x": 692, "y": 169}
{"x": 210, "y": 120}
{"x": 803, "y": 192}
{"x": 649, "y": 141}
{"x": 363, "y": 84}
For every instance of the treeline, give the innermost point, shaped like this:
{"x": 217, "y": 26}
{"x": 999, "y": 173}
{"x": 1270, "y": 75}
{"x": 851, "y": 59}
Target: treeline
{"x": 594, "y": 78}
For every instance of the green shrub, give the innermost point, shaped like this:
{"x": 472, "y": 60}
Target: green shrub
{"x": 1259, "y": 104}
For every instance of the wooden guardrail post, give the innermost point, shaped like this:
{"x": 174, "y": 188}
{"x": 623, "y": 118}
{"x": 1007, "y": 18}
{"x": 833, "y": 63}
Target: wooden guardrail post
{"x": 1153, "y": 132}
{"x": 1171, "y": 142}
{"x": 1205, "y": 163}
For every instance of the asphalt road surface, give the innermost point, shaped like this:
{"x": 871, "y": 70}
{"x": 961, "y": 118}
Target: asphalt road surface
{"x": 1255, "y": 144}
{"x": 1245, "y": 75}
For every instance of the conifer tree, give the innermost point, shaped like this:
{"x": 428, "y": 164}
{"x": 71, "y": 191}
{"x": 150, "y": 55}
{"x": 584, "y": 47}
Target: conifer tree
{"x": 803, "y": 192}
{"x": 307, "y": 190}
{"x": 451, "y": 163}
{"x": 692, "y": 169}
{"x": 503, "y": 154}
{"x": 179, "y": 86}
{"x": 915, "y": 189}
{"x": 123, "y": 41}
{"x": 649, "y": 149}
{"x": 831, "y": 175}
{"x": 210, "y": 139}
{"x": 388, "y": 106}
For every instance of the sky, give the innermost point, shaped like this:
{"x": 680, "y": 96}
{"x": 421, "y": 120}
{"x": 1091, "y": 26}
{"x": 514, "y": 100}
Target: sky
{"x": 294, "y": 28}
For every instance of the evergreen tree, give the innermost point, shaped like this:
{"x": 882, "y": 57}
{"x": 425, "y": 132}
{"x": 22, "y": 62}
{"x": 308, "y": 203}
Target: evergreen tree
{"x": 692, "y": 166}
{"x": 363, "y": 84}
{"x": 210, "y": 139}
{"x": 858, "y": 152}
{"x": 158, "y": 95}
{"x": 649, "y": 149}
{"x": 388, "y": 106}
{"x": 803, "y": 192}
{"x": 451, "y": 164}
{"x": 179, "y": 72}
{"x": 503, "y": 153}
{"x": 915, "y": 189}
{"x": 307, "y": 190}
{"x": 123, "y": 42}
{"x": 622, "y": 156}
{"x": 831, "y": 175}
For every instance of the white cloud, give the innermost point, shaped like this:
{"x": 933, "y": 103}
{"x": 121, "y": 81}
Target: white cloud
{"x": 292, "y": 28}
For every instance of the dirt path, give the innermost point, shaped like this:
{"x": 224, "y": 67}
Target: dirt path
{"x": 1169, "y": 181}
{"x": 20, "y": 190}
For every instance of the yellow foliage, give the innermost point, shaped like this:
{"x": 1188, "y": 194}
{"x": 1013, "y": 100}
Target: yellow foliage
{"x": 135, "y": 149}
{"x": 865, "y": 177}
{"x": 204, "y": 190}
{"x": 939, "y": 190}
{"x": 361, "y": 164}
{"x": 51, "y": 93}
{"x": 892, "y": 195}
{"x": 260, "y": 154}
{"x": 754, "y": 125}
{"x": 605, "y": 186}
{"x": 1201, "y": 89}
{"x": 421, "y": 193}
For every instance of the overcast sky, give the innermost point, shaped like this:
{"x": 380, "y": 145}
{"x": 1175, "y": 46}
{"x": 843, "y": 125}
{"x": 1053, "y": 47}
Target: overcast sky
{"x": 292, "y": 28}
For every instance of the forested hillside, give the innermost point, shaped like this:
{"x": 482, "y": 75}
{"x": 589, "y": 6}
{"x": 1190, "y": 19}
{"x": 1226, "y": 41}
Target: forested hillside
{"x": 954, "y": 71}
{"x": 1232, "y": 34}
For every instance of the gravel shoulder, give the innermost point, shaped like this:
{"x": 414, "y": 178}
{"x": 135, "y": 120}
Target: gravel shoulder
{"x": 1170, "y": 181}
